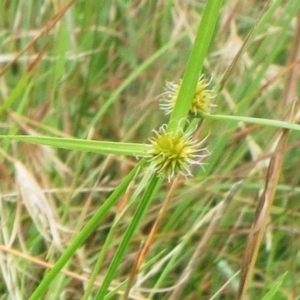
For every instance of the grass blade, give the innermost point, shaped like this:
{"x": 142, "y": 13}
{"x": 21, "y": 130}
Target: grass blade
{"x": 102, "y": 147}
{"x": 144, "y": 203}
{"x": 259, "y": 121}
{"x": 195, "y": 63}
{"x": 83, "y": 235}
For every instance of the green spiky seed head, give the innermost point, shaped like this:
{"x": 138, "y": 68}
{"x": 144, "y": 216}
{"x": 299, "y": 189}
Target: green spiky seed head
{"x": 201, "y": 101}
{"x": 173, "y": 153}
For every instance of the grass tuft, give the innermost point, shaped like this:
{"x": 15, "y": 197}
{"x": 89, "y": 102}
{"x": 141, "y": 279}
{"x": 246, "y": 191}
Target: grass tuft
{"x": 97, "y": 202}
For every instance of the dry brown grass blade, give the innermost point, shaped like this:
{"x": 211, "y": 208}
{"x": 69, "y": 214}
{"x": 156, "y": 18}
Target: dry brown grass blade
{"x": 233, "y": 65}
{"x": 264, "y": 206}
{"x": 146, "y": 247}
{"x": 44, "y": 30}
{"x": 80, "y": 278}
{"x": 157, "y": 223}
{"x": 37, "y": 59}
{"x": 262, "y": 214}
{"x": 231, "y": 68}
{"x": 30, "y": 125}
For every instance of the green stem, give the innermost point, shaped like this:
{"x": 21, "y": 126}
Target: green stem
{"x": 195, "y": 64}
{"x": 140, "y": 212}
{"x": 259, "y": 121}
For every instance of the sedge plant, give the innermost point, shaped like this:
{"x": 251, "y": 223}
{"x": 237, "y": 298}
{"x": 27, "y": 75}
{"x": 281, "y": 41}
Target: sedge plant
{"x": 171, "y": 151}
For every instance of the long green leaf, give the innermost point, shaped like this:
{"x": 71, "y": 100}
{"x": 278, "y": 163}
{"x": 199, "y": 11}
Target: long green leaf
{"x": 16, "y": 92}
{"x": 140, "y": 212}
{"x": 102, "y": 147}
{"x": 259, "y": 121}
{"x": 195, "y": 63}
{"x": 83, "y": 235}
{"x": 277, "y": 284}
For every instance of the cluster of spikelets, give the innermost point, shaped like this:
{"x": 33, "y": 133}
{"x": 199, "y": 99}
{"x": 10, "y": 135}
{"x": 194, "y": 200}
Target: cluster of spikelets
{"x": 201, "y": 101}
{"x": 175, "y": 152}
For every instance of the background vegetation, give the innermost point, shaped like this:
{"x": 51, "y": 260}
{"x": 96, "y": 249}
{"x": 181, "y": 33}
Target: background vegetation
{"x": 95, "y": 70}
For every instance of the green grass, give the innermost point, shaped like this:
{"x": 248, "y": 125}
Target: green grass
{"x": 82, "y": 215}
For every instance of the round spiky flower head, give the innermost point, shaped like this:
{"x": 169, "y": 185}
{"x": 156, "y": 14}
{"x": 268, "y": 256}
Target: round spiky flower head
{"x": 174, "y": 153}
{"x": 201, "y": 101}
